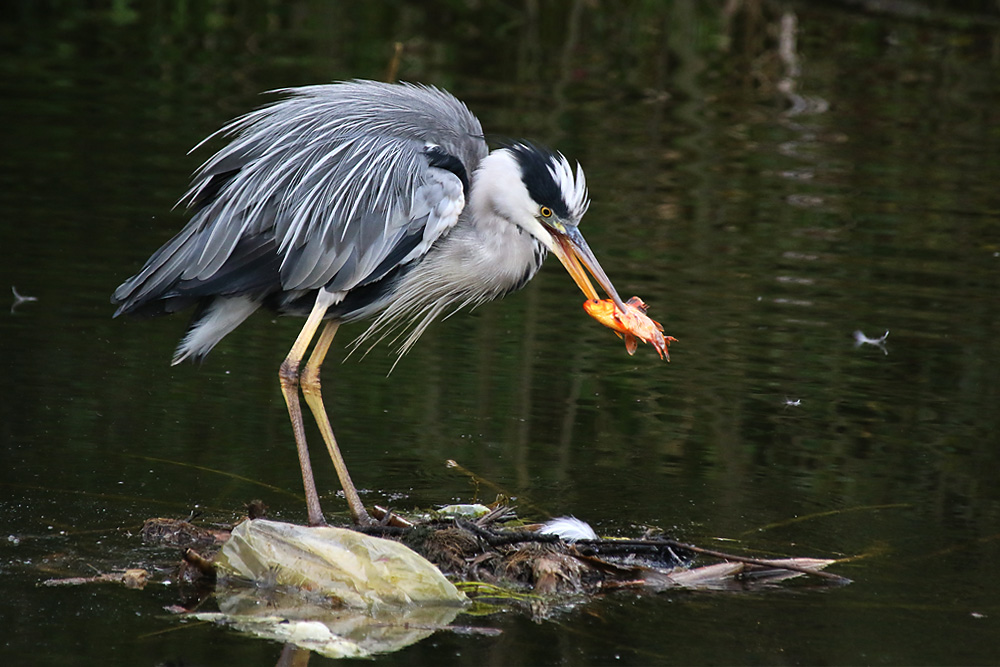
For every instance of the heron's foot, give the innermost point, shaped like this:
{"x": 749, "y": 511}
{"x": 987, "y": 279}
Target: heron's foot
{"x": 313, "y": 510}
{"x": 365, "y": 520}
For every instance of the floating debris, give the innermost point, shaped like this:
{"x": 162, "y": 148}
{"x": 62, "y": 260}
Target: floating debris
{"x": 366, "y": 591}
{"x": 344, "y": 566}
{"x": 167, "y": 532}
{"x": 473, "y": 511}
{"x": 861, "y": 339}
{"x": 546, "y": 564}
{"x": 20, "y": 298}
{"x": 334, "y": 591}
{"x": 131, "y": 578}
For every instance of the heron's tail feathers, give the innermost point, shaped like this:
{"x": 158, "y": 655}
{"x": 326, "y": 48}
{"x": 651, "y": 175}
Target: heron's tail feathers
{"x": 211, "y": 323}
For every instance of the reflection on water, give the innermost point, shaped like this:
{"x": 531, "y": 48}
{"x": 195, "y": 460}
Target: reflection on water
{"x": 769, "y": 180}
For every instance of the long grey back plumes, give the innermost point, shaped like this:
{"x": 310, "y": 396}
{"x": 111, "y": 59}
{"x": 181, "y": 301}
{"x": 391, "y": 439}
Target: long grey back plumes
{"x": 336, "y": 176}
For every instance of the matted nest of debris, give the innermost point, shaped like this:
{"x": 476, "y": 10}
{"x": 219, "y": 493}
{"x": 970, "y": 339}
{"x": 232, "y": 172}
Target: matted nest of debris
{"x": 344, "y": 592}
{"x": 488, "y": 552}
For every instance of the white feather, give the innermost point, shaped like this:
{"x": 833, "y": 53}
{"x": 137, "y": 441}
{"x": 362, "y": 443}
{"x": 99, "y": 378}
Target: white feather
{"x": 568, "y": 528}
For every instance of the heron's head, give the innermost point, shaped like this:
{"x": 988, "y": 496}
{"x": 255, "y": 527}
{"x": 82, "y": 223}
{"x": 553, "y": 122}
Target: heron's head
{"x": 537, "y": 190}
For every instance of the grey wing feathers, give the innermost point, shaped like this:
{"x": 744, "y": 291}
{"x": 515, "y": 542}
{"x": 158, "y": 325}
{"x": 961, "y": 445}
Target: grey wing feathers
{"x": 334, "y": 180}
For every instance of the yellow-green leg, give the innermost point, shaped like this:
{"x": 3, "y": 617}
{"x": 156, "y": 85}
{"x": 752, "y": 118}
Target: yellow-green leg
{"x": 288, "y": 375}
{"x": 310, "y": 383}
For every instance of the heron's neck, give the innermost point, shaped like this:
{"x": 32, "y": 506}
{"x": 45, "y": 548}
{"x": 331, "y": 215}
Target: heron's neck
{"x": 484, "y": 256}
{"x": 488, "y": 254}
{"x": 489, "y": 238}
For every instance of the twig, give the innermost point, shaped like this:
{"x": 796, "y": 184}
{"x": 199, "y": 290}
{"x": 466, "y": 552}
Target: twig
{"x": 393, "y": 70}
{"x": 389, "y": 518}
{"x": 507, "y": 537}
{"x": 199, "y": 562}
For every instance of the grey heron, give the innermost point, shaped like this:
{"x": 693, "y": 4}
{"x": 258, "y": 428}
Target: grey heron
{"x": 356, "y": 200}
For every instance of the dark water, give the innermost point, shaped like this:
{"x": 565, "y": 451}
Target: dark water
{"x": 770, "y": 180}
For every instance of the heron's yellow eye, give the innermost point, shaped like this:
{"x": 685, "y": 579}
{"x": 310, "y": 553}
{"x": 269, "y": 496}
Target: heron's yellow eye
{"x": 546, "y": 212}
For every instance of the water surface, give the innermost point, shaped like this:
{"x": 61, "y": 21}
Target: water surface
{"x": 769, "y": 181}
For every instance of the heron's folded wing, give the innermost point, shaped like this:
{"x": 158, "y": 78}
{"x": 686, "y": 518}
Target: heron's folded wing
{"x": 334, "y": 216}
{"x": 344, "y": 182}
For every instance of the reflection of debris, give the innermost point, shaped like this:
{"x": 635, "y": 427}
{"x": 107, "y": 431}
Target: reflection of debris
{"x": 788, "y": 84}
{"x": 20, "y": 298}
{"x": 861, "y": 339}
{"x": 334, "y": 633}
{"x": 134, "y": 578}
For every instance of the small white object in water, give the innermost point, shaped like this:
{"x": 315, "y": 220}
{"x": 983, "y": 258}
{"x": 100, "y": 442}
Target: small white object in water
{"x": 568, "y": 528}
{"x": 861, "y": 339}
{"x": 20, "y": 298}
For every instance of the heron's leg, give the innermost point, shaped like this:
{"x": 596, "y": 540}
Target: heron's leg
{"x": 288, "y": 375}
{"x": 314, "y": 398}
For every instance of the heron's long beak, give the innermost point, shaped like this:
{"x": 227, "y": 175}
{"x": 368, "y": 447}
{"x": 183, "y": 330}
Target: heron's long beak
{"x": 572, "y": 249}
